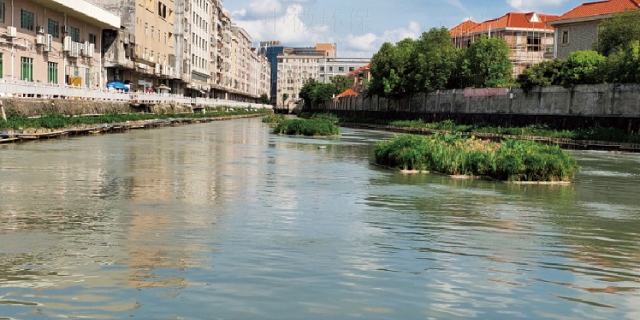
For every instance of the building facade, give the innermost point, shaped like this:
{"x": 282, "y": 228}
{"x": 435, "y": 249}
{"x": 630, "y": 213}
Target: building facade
{"x": 294, "y": 71}
{"x": 578, "y": 29}
{"x": 198, "y": 20}
{"x": 528, "y": 36}
{"x": 221, "y": 52}
{"x": 331, "y": 67}
{"x": 53, "y": 41}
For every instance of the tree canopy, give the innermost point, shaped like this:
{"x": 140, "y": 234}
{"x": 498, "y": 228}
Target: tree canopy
{"x": 618, "y": 33}
{"x": 341, "y": 83}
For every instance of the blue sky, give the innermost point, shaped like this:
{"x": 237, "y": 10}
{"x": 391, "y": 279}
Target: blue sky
{"x": 359, "y": 27}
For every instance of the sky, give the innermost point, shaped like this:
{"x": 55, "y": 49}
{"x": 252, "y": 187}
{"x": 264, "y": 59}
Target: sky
{"x": 359, "y": 27}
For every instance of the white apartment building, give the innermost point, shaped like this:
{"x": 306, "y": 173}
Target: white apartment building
{"x": 331, "y": 67}
{"x": 294, "y": 71}
{"x": 199, "y": 16}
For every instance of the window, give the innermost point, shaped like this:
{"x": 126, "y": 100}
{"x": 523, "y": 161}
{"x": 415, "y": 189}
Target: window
{"x": 330, "y": 69}
{"x": 351, "y": 69}
{"x": 1, "y": 69}
{"x": 565, "y": 37}
{"x": 92, "y": 38}
{"x": 27, "y": 20}
{"x": 75, "y": 34}
{"x": 1, "y": 11}
{"x": 87, "y": 77}
{"x": 52, "y": 72}
{"x": 341, "y": 69}
{"x": 26, "y": 70}
{"x": 146, "y": 28}
{"x": 54, "y": 28}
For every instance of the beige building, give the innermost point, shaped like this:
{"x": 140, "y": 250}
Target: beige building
{"x": 198, "y": 21}
{"x": 53, "y": 41}
{"x": 294, "y": 71}
{"x": 142, "y": 53}
{"x": 221, "y": 52}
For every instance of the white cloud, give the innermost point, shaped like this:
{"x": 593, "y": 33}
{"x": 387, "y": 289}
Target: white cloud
{"x": 369, "y": 43}
{"x": 532, "y": 5}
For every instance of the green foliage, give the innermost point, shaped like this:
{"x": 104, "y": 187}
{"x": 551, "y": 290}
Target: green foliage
{"x": 314, "y": 127}
{"x": 52, "y": 120}
{"x": 323, "y": 116}
{"x": 264, "y": 98}
{"x": 547, "y": 73}
{"x": 433, "y": 61}
{"x": 486, "y": 64}
{"x": 618, "y": 33}
{"x": 583, "y": 67}
{"x": 624, "y": 65}
{"x": 341, "y": 83}
{"x": 314, "y": 93}
{"x": 274, "y": 118}
{"x": 285, "y": 96}
{"x": 511, "y": 160}
{"x": 391, "y": 68}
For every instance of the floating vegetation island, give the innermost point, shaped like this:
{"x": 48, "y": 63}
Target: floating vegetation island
{"x": 510, "y": 160}
{"x": 314, "y": 127}
{"x": 274, "y": 118}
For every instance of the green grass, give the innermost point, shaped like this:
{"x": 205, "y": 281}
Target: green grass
{"x": 274, "y": 118}
{"x": 52, "y": 120}
{"x": 537, "y": 130}
{"x": 314, "y": 127}
{"x": 323, "y": 116}
{"x": 511, "y": 160}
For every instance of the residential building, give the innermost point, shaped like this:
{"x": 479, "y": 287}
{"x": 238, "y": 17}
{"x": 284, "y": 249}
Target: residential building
{"x": 142, "y": 52}
{"x": 528, "y": 36}
{"x": 241, "y": 65}
{"x": 329, "y": 50}
{"x": 53, "y": 41}
{"x": 294, "y": 71}
{"x": 578, "y": 29}
{"x": 331, "y": 67}
{"x": 198, "y": 20}
{"x": 361, "y": 77}
{"x": 221, "y": 52}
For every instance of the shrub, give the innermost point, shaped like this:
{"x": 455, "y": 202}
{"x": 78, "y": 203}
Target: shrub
{"x": 306, "y": 127}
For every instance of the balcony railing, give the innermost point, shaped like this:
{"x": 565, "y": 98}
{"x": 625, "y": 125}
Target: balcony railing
{"x": 31, "y": 90}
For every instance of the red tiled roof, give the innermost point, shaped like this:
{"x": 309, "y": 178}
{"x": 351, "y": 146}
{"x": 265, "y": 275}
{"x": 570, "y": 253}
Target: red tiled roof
{"x": 591, "y": 9}
{"x": 510, "y": 20}
{"x": 463, "y": 28}
{"x": 348, "y": 92}
{"x": 358, "y": 70}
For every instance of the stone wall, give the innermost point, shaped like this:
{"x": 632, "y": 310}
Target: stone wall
{"x": 581, "y": 37}
{"x": 34, "y": 107}
{"x": 611, "y": 105}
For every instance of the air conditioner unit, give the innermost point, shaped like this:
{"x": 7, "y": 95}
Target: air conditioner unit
{"x": 91, "y": 50}
{"x": 40, "y": 39}
{"x": 40, "y": 29}
{"x": 85, "y": 49}
{"x": 75, "y": 49}
{"x": 67, "y": 44}
{"x": 48, "y": 44}
{"x": 12, "y": 32}
{"x": 65, "y": 29}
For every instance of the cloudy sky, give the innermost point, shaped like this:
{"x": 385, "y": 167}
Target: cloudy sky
{"x": 359, "y": 27}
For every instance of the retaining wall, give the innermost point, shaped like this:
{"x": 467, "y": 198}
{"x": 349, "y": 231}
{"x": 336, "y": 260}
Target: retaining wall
{"x": 607, "y": 105}
{"x": 34, "y": 107}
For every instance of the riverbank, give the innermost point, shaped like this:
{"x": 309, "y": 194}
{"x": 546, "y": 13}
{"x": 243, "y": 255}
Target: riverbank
{"x": 532, "y": 133}
{"x": 13, "y": 136}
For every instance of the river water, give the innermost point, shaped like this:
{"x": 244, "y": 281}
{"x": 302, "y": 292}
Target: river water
{"x": 225, "y": 220}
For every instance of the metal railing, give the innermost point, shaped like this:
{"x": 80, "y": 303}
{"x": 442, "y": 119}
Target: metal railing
{"x": 35, "y": 90}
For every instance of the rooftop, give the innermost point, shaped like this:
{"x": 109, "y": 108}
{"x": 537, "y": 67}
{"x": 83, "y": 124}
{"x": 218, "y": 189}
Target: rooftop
{"x": 591, "y": 9}
{"x": 511, "y": 20}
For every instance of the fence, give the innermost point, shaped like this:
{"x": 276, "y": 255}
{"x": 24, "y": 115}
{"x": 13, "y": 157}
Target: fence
{"x": 30, "y": 90}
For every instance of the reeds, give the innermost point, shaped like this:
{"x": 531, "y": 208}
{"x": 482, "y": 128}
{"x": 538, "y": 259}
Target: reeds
{"x": 511, "y": 160}
{"x": 314, "y": 127}
{"x": 274, "y": 118}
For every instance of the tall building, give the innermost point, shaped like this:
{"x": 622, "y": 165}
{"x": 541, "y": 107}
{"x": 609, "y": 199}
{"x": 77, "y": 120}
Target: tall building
{"x": 272, "y": 50}
{"x": 49, "y": 41}
{"x": 221, "y": 52}
{"x": 198, "y": 20}
{"x": 527, "y": 35}
{"x": 294, "y": 71}
{"x": 578, "y": 29}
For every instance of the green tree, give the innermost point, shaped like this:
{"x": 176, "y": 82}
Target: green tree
{"x": 323, "y": 92}
{"x": 624, "y": 66}
{"x": 391, "y": 69}
{"x": 583, "y": 67}
{"x": 486, "y": 64}
{"x": 547, "y": 73}
{"x": 306, "y": 93}
{"x": 618, "y": 33}
{"x": 264, "y": 98}
{"x": 433, "y": 61}
{"x": 285, "y": 96}
{"x": 341, "y": 83}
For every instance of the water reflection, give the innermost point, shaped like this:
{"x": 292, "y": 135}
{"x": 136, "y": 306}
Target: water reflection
{"x": 177, "y": 222}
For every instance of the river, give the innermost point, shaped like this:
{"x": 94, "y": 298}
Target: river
{"x": 225, "y": 220}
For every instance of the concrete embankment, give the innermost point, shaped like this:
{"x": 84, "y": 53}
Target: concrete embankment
{"x": 43, "y": 133}
{"x": 584, "y": 106}
{"x": 35, "y": 107}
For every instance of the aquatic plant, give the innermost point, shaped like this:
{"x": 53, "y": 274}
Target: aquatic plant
{"x": 511, "y": 160}
{"x": 274, "y": 118}
{"x": 314, "y": 127}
